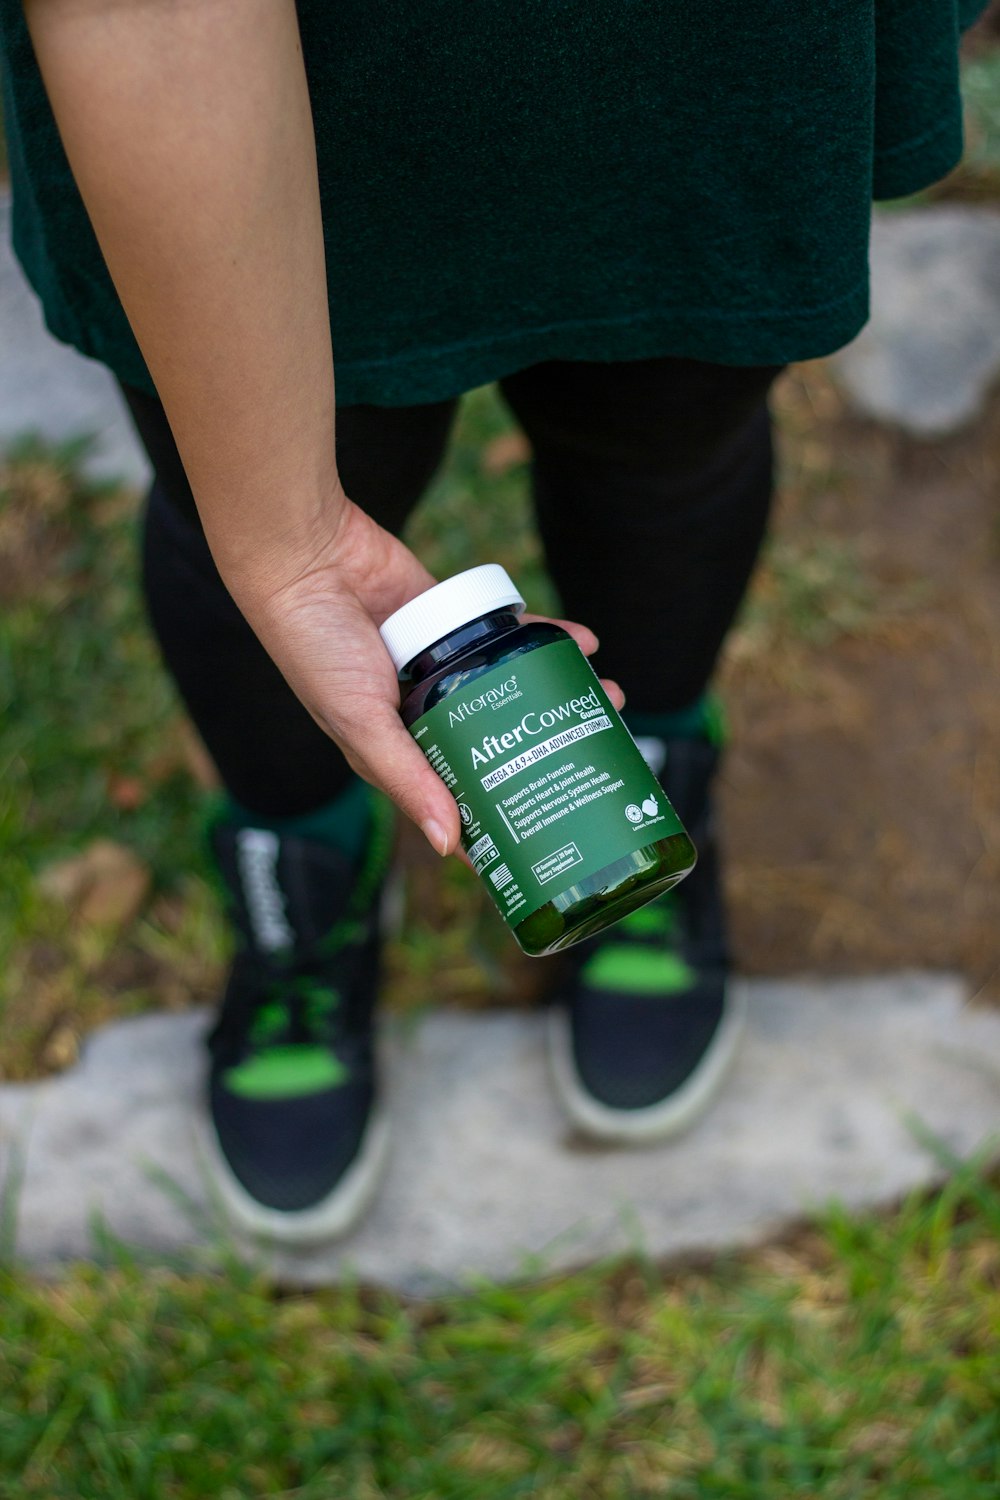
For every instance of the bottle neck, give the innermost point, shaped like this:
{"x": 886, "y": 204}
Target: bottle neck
{"x": 478, "y": 632}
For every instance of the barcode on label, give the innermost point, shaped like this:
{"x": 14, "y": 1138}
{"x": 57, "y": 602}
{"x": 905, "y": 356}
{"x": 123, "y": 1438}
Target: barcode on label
{"x": 501, "y": 877}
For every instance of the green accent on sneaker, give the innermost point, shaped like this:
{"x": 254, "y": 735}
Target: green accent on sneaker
{"x": 657, "y": 919}
{"x": 269, "y": 1023}
{"x": 273, "y": 1019}
{"x": 287, "y": 1072}
{"x": 637, "y": 970}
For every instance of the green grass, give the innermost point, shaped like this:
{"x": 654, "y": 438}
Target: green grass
{"x": 82, "y": 695}
{"x": 861, "y": 1359}
{"x": 84, "y": 706}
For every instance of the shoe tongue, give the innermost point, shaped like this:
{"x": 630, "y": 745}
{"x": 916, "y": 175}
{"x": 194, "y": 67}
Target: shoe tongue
{"x": 288, "y": 892}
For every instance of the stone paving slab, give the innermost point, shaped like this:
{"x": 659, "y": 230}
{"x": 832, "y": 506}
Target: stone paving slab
{"x": 50, "y": 389}
{"x": 486, "y": 1177}
{"x": 930, "y": 355}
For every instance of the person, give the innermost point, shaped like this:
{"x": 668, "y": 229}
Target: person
{"x": 631, "y": 216}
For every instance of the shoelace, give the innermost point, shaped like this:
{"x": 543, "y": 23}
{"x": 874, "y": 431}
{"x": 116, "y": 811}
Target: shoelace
{"x": 298, "y": 1004}
{"x": 293, "y": 1004}
{"x": 298, "y": 1007}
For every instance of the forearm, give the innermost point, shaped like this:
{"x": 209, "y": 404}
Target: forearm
{"x": 188, "y": 128}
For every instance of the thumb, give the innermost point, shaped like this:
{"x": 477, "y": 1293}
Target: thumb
{"x": 385, "y": 754}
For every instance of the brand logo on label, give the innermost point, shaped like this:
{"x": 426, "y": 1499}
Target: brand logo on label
{"x": 257, "y": 857}
{"x": 492, "y": 698}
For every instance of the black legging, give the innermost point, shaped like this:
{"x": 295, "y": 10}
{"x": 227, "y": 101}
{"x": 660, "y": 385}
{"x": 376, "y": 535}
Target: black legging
{"x": 652, "y": 482}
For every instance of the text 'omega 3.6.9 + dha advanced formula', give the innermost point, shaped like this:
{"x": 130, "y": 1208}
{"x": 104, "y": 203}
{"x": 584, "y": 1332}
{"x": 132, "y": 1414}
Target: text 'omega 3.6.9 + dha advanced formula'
{"x": 561, "y": 817}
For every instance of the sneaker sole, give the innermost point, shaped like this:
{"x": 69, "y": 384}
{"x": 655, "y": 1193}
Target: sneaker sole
{"x": 329, "y": 1219}
{"x": 655, "y": 1122}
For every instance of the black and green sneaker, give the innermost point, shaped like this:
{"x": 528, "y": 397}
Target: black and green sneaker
{"x": 296, "y": 1135}
{"x": 645, "y": 1025}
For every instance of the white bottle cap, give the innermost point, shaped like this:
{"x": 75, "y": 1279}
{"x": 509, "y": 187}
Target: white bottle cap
{"x": 447, "y": 607}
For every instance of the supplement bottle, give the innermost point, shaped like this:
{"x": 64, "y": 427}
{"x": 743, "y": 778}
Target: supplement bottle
{"x": 561, "y": 817}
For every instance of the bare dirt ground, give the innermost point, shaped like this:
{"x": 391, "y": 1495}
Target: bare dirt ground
{"x": 862, "y": 793}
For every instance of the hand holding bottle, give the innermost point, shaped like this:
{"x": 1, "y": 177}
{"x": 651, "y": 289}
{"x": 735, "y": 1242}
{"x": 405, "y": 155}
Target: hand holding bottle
{"x": 317, "y": 610}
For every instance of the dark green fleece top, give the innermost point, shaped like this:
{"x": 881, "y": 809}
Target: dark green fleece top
{"x": 507, "y": 183}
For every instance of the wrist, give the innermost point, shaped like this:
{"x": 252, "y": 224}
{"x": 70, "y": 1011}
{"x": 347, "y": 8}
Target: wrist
{"x": 262, "y": 553}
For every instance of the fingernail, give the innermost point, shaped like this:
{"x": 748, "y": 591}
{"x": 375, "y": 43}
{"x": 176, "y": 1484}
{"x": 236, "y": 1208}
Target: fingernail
{"x": 435, "y": 836}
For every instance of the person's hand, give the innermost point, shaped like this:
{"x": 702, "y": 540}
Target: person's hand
{"x": 317, "y": 613}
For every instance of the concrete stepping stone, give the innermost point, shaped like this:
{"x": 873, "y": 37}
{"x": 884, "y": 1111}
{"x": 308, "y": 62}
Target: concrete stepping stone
{"x": 930, "y": 355}
{"x": 485, "y": 1176}
{"x": 50, "y": 389}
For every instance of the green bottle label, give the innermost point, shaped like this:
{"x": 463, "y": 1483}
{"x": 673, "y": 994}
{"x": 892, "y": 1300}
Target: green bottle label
{"x": 549, "y": 783}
